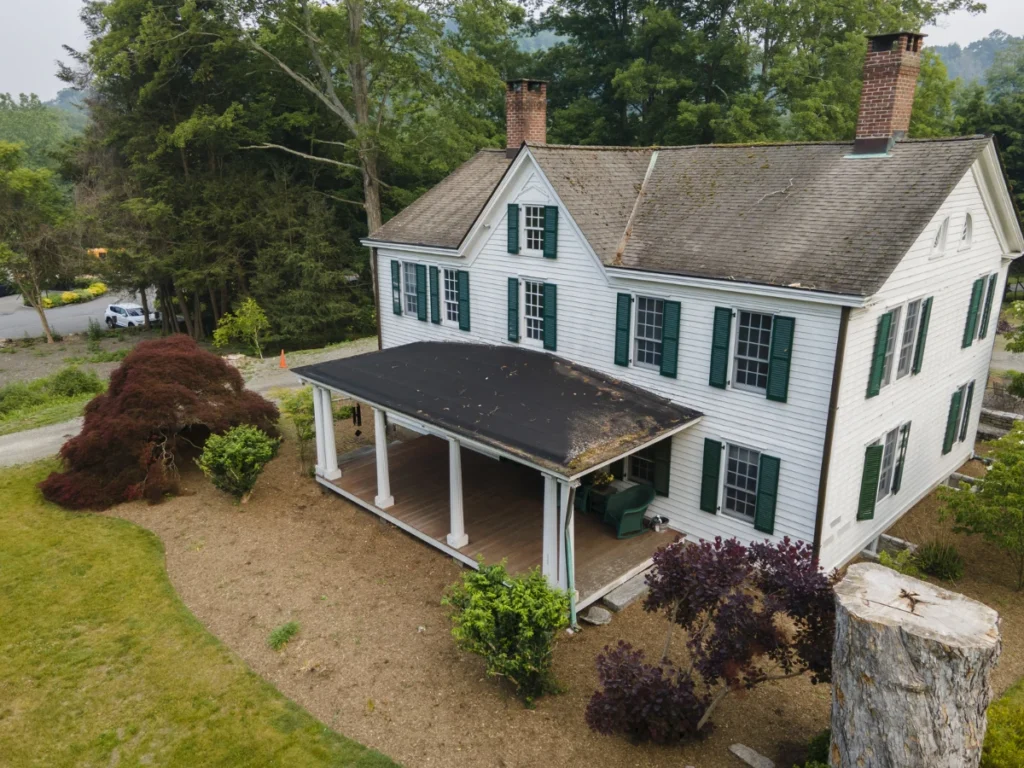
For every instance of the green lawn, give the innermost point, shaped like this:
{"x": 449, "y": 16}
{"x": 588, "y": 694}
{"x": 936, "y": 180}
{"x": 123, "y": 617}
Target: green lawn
{"x": 1004, "y": 739}
{"x": 101, "y": 663}
{"x": 53, "y": 412}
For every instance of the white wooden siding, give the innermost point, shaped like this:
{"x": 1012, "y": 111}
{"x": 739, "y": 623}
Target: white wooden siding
{"x": 922, "y": 399}
{"x": 793, "y": 431}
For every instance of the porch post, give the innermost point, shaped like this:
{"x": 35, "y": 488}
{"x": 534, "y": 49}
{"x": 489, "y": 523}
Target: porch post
{"x": 318, "y": 421}
{"x": 330, "y": 464}
{"x": 566, "y": 530}
{"x": 384, "y": 498}
{"x": 549, "y": 556}
{"x": 457, "y": 538}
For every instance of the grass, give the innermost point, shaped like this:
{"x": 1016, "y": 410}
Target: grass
{"x": 279, "y": 638}
{"x": 1004, "y": 739}
{"x": 53, "y": 412}
{"x": 49, "y": 400}
{"x": 102, "y": 356}
{"x": 103, "y": 664}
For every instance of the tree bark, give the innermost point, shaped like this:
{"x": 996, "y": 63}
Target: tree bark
{"x": 145, "y": 309}
{"x": 198, "y": 322}
{"x": 910, "y": 673}
{"x": 184, "y": 310}
{"x": 35, "y": 298}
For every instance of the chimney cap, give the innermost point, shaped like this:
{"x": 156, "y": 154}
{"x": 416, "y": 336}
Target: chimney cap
{"x": 884, "y": 41}
{"x": 513, "y": 80}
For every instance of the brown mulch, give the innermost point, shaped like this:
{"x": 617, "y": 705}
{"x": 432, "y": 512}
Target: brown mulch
{"x": 973, "y": 468}
{"x": 374, "y": 658}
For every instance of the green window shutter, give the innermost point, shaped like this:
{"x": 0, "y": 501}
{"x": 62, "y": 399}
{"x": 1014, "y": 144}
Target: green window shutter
{"x": 662, "y": 464}
{"x": 972, "y": 312}
{"x": 922, "y": 334}
{"x": 709, "y": 475}
{"x": 396, "y": 287}
{"x": 965, "y": 419}
{"x": 720, "y": 347}
{"x": 463, "y": 278}
{"x": 513, "y": 228}
{"x": 550, "y": 316}
{"x": 513, "y": 309}
{"x": 670, "y": 339}
{"x": 435, "y": 297}
{"x": 550, "y": 231}
{"x": 987, "y": 311}
{"x": 421, "y": 292}
{"x": 623, "y": 309}
{"x": 952, "y": 418}
{"x": 778, "y": 359}
{"x": 767, "y": 490}
{"x": 878, "y": 357}
{"x": 869, "y": 482}
{"x": 897, "y": 474}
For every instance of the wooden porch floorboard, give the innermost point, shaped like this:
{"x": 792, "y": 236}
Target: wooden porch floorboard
{"x": 503, "y": 505}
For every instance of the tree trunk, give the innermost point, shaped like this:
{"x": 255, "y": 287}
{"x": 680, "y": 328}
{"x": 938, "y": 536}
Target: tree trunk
{"x": 213, "y": 305}
{"x": 38, "y": 307}
{"x": 910, "y": 673}
{"x": 145, "y": 309}
{"x": 184, "y": 310}
{"x": 198, "y": 322}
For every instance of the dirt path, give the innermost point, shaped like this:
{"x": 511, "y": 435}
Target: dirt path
{"x": 374, "y": 658}
{"x": 33, "y": 444}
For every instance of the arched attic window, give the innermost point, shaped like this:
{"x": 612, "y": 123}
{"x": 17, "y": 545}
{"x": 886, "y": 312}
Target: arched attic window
{"x": 939, "y": 244}
{"x": 967, "y": 233}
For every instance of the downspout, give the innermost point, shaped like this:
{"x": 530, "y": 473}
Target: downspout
{"x": 830, "y": 428}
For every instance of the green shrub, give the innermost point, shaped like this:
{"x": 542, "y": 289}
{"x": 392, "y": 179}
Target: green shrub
{"x": 512, "y": 623}
{"x": 233, "y": 461}
{"x": 817, "y": 748}
{"x": 298, "y": 404}
{"x": 18, "y": 395}
{"x": 72, "y": 381}
{"x": 279, "y": 638}
{"x": 903, "y": 562}
{"x": 1004, "y": 739}
{"x": 941, "y": 560}
{"x": 95, "y": 332}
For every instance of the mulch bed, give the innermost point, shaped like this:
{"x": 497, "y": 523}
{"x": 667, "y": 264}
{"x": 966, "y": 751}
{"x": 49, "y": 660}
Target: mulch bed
{"x": 374, "y": 658}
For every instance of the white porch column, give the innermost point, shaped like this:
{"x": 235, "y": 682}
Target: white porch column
{"x": 549, "y": 556}
{"x": 457, "y": 537}
{"x": 318, "y": 421}
{"x": 330, "y": 462}
{"x": 566, "y": 529}
{"x": 384, "y": 498}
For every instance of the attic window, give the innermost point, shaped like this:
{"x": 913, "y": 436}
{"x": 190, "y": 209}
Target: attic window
{"x": 939, "y": 244}
{"x": 967, "y": 233}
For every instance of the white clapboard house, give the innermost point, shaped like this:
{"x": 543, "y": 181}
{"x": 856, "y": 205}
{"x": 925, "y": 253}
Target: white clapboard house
{"x": 782, "y": 339}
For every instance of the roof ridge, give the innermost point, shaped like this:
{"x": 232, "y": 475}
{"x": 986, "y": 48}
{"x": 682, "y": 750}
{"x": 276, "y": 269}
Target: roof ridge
{"x": 746, "y": 145}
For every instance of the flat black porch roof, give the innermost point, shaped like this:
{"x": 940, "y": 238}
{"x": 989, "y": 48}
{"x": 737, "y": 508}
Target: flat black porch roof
{"x": 522, "y": 402}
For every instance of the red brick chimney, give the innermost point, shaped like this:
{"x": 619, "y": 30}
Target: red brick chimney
{"x": 526, "y": 113}
{"x": 891, "y": 67}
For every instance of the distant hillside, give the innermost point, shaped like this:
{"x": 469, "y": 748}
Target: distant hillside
{"x": 71, "y": 102}
{"x": 971, "y": 62}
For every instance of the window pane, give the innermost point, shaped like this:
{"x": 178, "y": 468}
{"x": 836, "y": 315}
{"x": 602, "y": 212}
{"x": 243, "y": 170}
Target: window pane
{"x": 741, "y": 481}
{"x": 533, "y": 310}
{"x": 641, "y": 465}
{"x": 650, "y": 316}
{"x": 411, "y": 301}
{"x": 890, "y": 347}
{"x": 534, "y": 226}
{"x": 451, "y": 295}
{"x": 753, "y": 344}
{"x": 909, "y": 337}
{"x": 888, "y": 463}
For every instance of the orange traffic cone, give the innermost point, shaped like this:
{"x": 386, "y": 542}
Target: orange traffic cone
{"x": 283, "y": 363}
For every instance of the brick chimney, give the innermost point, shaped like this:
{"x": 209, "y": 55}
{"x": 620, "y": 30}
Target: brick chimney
{"x": 891, "y": 67}
{"x": 526, "y": 113}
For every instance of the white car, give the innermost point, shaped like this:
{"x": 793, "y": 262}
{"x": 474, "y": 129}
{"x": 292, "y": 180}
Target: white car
{"x": 128, "y": 316}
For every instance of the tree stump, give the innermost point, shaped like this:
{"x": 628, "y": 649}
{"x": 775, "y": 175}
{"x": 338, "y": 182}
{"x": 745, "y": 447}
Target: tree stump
{"x": 910, "y": 673}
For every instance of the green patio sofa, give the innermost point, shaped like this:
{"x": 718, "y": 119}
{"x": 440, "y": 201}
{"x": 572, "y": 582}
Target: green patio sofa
{"x": 625, "y": 510}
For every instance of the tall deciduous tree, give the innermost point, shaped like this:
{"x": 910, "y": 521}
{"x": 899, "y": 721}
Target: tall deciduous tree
{"x": 33, "y": 209}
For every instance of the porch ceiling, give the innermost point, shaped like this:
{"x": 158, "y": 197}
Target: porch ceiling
{"x": 563, "y": 417}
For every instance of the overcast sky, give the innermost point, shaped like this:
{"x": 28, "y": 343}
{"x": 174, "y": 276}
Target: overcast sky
{"x": 32, "y": 32}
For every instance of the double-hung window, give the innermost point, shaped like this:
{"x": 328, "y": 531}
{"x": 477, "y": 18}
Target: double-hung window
{"x": 741, "y": 469}
{"x": 890, "y": 348}
{"x": 533, "y": 227}
{"x": 533, "y": 309}
{"x": 409, "y": 288}
{"x": 450, "y": 292}
{"x": 753, "y": 349}
{"x": 890, "y": 443}
{"x": 650, "y": 325}
{"x": 641, "y": 466}
{"x": 907, "y": 344}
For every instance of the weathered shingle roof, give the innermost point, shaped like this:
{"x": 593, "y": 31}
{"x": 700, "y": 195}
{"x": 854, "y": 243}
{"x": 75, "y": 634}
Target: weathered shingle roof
{"x": 443, "y": 215}
{"x": 801, "y": 215}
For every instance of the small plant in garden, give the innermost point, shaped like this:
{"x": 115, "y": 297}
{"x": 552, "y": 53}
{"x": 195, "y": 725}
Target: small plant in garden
{"x": 902, "y": 562}
{"x": 245, "y": 324}
{"x": 95, "y": 333}
{"x": 995, "y": 508}
{"x": 941, "y": 560}
{"x": 72, "y": 381}
{"x": 233, "y": 461}
{"x": 511, "y": 622}
{"x": 279, "y": 638}
{"x": 752, "y": 614}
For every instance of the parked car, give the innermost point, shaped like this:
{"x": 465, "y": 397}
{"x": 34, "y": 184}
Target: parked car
{"x": 128, "y": 316}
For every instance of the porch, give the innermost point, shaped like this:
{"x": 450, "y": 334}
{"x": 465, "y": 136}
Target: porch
{"x": 503, "y": 508}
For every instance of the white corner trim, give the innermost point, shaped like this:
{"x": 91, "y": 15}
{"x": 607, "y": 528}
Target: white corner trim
{"x": 774, "y": 291}
{"x": 988, "y": 175}
{"x": 419, "y": 250}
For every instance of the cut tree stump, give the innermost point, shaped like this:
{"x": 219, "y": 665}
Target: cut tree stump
{"x": 910, "y": 673}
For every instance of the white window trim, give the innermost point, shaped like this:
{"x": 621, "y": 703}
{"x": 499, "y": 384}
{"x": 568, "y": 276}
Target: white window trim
{"x": 404, "y": 284}
{"x": 938, "y": 248}
{"x": 523, "y": 249}
{"x": 985, "y": 278}
{"x": 634, "y": 325}
{"x": 523, "y": 336}
{"x": 734, "y": 333}
{"x": 723, "y": 471}
{"x": 629, "y": 467}
{"x": 965, "y": 415}
{"x": 968, "y": 225}
{"x": 442, "y": 307}
{"x": 901, "y": 309}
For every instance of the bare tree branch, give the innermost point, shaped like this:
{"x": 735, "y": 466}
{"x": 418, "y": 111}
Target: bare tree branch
{"x": 303, "y": 154}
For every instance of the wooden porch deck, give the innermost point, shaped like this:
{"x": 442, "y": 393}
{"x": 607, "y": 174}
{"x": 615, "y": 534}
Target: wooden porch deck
{"x": 503, "y": 506}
